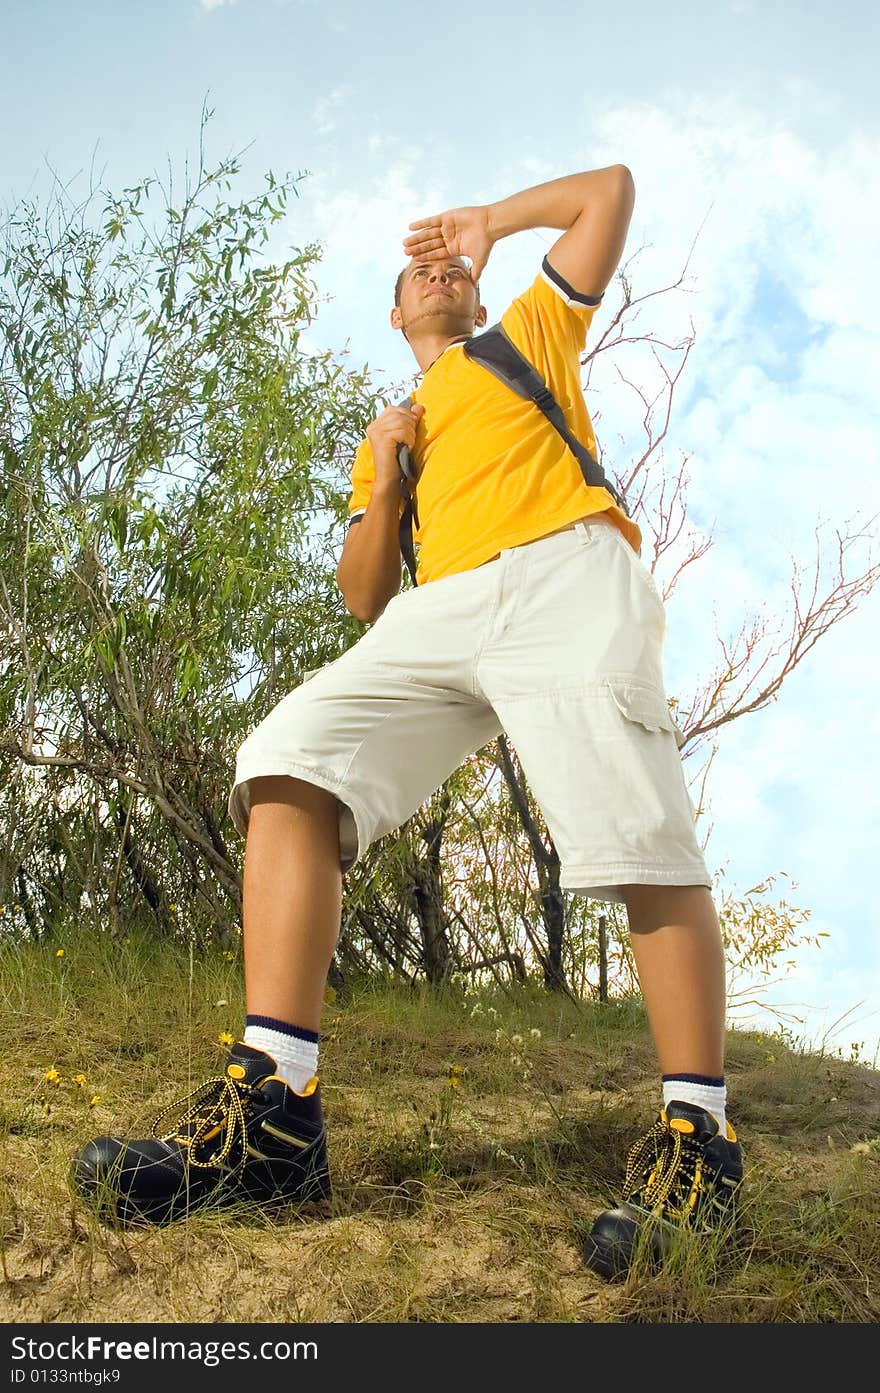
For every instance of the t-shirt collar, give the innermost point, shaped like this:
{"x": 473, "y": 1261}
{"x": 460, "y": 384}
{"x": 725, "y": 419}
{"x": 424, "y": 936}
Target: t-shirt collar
{"x": 457, "y": 344}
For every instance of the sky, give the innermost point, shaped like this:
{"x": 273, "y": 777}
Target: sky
{"x": 755, "y": 126}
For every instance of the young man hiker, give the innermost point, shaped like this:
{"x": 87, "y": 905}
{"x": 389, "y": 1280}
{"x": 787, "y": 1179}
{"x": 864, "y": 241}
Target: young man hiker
{"x": 532, "y": 615}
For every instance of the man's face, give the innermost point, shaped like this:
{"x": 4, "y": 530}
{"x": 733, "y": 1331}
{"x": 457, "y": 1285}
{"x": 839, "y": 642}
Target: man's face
{"x": 437, "y": 297}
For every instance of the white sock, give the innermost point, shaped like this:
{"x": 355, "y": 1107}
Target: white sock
{"x": 702, "y": 1092}
{"x": 296, "y": 1057}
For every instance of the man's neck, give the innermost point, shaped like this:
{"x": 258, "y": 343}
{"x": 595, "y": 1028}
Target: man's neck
{"x": 428, "y": 350}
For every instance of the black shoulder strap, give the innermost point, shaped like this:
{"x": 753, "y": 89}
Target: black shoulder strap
{"x": 497, "y": 352}
{"x": 410, "y": 512}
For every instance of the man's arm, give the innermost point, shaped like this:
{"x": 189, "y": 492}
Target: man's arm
{"x": 369, "y": 570}
{"x": 593, "y": 208}
{"x": 368, "y": 573}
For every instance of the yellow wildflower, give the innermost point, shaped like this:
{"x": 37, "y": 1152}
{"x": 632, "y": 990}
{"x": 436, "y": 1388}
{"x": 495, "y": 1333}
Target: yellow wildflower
{"x": 229, "y": 955}
{"x": 453, "y": 1080}
{"x": 59, "y": 953}
{"x": 224, "y": 1038}
{"x": 94, "y": 1100}
{"x": 864, "y": 1148}
{"x": 80, "y": 1079}
{"x": 52, "y": 1075}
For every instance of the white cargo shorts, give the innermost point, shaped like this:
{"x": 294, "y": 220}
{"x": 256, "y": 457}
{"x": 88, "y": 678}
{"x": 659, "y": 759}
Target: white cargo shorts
{"x": 558, "y": 644}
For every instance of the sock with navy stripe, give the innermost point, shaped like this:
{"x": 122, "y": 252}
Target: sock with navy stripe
{"x": 702, "y": 1091}
{"x": 294, "y": 1049}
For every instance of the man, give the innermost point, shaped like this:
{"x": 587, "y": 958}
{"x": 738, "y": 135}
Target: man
{"x": 532, "y": 615}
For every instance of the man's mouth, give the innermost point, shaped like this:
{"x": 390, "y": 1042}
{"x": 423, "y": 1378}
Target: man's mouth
{"x": 439, "y": 291}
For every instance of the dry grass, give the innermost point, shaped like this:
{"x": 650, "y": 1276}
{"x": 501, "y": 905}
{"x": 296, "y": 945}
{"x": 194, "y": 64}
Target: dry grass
{"x": 451, "y": 1203}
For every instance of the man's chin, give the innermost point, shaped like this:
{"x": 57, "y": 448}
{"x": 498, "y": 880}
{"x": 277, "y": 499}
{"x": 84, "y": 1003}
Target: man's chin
{"x": 440, "y": 320}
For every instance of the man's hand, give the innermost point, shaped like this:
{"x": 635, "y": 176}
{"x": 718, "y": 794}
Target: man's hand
{"x": 457, "y": 232}
{"x": 394, "y": 426}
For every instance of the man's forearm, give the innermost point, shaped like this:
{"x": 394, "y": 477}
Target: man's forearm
{"x": 369, "y": 572}
{"x": 555, "y": 204}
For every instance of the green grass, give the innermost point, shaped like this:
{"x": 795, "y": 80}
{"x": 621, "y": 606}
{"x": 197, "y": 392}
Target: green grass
{"x": 451, "y": 1203}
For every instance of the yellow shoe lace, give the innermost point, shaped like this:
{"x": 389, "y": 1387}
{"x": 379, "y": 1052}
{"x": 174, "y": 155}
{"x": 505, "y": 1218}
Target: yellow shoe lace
{"x": 216, "y": 1105}
{"x": 658, "y": 1163}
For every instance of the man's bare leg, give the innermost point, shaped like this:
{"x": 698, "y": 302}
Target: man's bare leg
{"x": 686, "y": 1169}
{"x": 292, "y": 902}
{"x": 292, "y": 906}
{"x": 676, "y": 943}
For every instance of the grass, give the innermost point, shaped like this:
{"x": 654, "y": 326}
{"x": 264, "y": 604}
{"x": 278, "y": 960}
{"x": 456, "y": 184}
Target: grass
{"x": 473, "y": 1140}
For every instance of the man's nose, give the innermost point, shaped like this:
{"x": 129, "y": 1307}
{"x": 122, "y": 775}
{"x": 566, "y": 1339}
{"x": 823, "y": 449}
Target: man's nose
{"x": 439, "y": 275}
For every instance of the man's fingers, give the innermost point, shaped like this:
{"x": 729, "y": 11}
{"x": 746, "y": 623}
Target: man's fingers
{"x": 420, "y": 254}
{"x": 425, "y": 240}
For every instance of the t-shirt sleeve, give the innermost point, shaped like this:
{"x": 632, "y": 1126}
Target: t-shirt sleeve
{"x": 363, "y": 474}
{"x": 550, "y": 320}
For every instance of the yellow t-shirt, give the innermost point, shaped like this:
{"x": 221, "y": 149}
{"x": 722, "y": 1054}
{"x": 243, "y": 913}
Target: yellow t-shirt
{"x": 493, "y": 472}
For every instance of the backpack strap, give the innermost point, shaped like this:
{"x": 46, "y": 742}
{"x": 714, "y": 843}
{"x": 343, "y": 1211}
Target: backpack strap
{"x": 497, "y": 352}
{"x": 410, "y": 512}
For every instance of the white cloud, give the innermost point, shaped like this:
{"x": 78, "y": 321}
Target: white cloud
{"x": 327, "y": 108}
{"x": 209, "y": 5}
{"x": 824, "y": 1005}
{"x": 778, "y": 413}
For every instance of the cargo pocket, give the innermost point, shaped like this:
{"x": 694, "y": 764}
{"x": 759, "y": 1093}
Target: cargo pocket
{"x": 645, "y": 705}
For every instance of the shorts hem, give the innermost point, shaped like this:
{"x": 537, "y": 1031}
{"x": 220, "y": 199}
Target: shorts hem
{"x": 606, "y": 882}
{"x": 262, "y": 768}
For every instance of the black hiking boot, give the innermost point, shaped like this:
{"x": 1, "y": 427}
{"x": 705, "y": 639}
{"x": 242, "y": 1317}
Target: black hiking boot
{"x": 681, "y": 1174}
{"x": 244, "y": 1136}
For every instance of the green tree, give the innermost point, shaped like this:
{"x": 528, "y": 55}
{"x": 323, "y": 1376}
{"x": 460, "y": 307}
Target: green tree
{"x": 174, "y": 463}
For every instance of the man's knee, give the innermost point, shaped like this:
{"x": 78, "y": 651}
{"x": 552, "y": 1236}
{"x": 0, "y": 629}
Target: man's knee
{"x": 651, "y": 907}
{"x": 286, "y": 788}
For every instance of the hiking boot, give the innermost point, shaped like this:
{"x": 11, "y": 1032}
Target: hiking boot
{"x": 681, "y": 1174}
{"x": 243, "y": 1136}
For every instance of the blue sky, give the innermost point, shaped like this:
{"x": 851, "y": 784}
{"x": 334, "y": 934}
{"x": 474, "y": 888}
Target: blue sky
{"x": 757, "y": 123}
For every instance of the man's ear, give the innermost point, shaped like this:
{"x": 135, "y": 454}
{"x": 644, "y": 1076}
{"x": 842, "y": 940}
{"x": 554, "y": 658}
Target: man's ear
{"x": 396, "y": 318}
{"x": 480, "y": 317}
